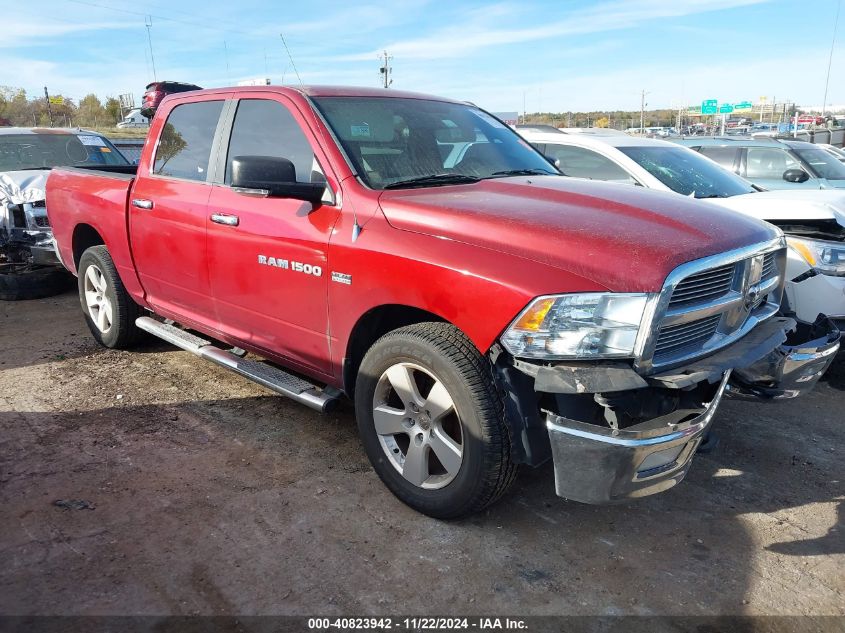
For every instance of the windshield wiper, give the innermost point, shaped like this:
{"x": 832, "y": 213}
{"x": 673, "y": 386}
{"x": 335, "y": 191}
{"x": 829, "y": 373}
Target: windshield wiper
{"x": 433, "y": 179}
{"x": 526, "y": 172}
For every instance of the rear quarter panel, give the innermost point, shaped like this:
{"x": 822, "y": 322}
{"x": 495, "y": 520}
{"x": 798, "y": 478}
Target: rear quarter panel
{"x": 78, "y": 197}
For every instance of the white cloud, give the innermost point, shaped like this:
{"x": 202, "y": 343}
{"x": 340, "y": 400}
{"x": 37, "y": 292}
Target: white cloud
{"x": 36, "y": 32}
{"x": 468, "y": 36}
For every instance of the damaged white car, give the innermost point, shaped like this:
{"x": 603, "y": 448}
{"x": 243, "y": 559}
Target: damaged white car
{"x": 29, "y": 268}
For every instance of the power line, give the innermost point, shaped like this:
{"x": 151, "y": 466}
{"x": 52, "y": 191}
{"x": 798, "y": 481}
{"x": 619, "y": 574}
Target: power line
{"x": 163, "y": 17}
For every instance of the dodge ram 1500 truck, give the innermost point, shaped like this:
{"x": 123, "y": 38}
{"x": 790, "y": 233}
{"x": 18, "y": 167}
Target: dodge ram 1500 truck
{"x": 417, "y": 255}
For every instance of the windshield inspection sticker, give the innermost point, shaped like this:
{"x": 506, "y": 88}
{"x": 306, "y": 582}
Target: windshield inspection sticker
{"x": 87, "y": 139}
{"x": 361, "y": 130}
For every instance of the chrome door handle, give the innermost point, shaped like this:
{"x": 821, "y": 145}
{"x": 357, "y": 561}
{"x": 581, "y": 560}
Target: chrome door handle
{"x": 142, "y": 204}
{"x": 225, "y": 218}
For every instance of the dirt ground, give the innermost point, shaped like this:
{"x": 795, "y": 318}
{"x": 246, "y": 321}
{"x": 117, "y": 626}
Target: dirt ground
{"x": 188, "y": 490}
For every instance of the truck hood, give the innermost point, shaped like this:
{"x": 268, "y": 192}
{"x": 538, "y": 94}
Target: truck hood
{"x": 788, "y": 205}
{"x": 17, "y": 187}
{"x": 624, "y": 238}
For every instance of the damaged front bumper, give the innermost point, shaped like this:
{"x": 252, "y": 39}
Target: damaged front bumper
{"x": 616, "y": 435}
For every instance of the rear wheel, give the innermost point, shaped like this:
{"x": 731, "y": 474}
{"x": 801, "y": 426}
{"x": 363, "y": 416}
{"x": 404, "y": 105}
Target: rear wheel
{"x": 432, "y": 421}
{"x": 109, "y": 310}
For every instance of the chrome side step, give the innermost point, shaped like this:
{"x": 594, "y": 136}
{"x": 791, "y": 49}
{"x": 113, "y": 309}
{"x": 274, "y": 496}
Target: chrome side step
{"x": 273, "y": 378}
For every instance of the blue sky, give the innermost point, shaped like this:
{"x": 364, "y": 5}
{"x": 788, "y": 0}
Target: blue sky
{"x": 550, "y": 55}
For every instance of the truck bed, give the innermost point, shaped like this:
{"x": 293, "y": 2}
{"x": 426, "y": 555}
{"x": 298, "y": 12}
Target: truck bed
{"x": 83, "y": 201}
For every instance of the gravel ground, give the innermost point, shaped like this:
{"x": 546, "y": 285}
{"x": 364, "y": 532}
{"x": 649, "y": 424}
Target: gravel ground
{"x": 183, "y": 489}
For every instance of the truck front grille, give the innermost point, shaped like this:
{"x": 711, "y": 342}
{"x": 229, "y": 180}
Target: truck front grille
{"x": 704, "y": 286}
{"x": 710, "y": 303}
{"x": 676, "y": 338}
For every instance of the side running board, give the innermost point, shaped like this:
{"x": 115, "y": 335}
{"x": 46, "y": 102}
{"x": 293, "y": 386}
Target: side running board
{"x": 273, "y": 378}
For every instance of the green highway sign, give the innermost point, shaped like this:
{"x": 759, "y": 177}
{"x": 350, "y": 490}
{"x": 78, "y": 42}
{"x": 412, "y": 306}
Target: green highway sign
{"x": 726, "y": 108}
{"x": 743, "y": 106}
{"x": 709, "y": 106}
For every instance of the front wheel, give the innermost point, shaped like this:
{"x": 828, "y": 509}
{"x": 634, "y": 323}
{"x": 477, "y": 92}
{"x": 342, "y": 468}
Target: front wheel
{"x": 432, "y": 421}
{"x": 109, "y": 310}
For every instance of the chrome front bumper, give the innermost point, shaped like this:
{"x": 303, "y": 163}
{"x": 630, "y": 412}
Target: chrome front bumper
{"x": 600, "y": 464}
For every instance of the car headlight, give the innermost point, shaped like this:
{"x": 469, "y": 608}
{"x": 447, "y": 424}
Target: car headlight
{"x": 590, "y": 325}
{"x": 826, "y": 257}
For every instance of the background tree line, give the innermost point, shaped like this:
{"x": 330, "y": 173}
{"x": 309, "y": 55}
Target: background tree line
{"x": 616, "y": 119}
{"x": 16, "y": 108}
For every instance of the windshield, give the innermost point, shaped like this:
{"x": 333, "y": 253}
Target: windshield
{"x": 825, "y": 165}
{"x": 397, "y": 142}
{"x": 45, "y": 150}
{"x": 687, "y": 172}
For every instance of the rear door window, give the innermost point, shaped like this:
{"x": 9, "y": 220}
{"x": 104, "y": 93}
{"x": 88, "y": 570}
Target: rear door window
{"x": 184, "y": 147}
{"x": 768, "y": 162}
{"x": 264, "y": 127}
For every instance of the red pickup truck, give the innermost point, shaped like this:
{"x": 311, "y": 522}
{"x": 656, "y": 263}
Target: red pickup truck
{"x": 418, "y": 256}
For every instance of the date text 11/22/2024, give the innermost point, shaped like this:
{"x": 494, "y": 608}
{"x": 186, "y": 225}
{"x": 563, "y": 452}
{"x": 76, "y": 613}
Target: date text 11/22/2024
{"x": 417, "y": 624}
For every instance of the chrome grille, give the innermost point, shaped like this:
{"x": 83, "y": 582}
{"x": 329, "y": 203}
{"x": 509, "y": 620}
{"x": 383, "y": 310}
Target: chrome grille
{"x": 769, "y": 266}
{"x": 675, "y": 338}
{"x": 704, "y": 286}
{"x": 41, "y": 220}
{"x": 709, "y": 303}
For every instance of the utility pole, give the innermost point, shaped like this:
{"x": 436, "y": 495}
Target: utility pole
{"x": 49, "y": 109}
{"x": 148, "y": 22}
{"x": 523, "y": 107}
{"x": 385, "y": 70}
{"x": 643, "y": 104}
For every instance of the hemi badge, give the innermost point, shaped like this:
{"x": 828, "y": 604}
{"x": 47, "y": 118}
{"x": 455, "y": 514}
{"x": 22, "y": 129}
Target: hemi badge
{"x": 342, "y": 278}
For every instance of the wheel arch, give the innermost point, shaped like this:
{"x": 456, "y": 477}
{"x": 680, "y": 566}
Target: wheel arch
{"x": 84, "y": 237}
{"x": 371, "y": 326}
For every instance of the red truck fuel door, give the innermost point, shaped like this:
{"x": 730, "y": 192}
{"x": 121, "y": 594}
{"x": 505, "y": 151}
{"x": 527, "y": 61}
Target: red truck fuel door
{"x": 168, "y": 211}
{"x": 267, "y": 256}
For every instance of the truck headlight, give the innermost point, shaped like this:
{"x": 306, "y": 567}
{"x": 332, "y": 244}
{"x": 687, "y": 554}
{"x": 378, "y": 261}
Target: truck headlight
{"x": 589, "y": 325}
{"x": 826, "y": 257}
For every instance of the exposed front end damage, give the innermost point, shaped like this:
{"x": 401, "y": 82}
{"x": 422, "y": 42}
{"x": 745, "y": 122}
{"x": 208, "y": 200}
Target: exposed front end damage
{"x": 625, "y": 428}
{"x": 26, "y": 239}
{"x": 615, "y": 433}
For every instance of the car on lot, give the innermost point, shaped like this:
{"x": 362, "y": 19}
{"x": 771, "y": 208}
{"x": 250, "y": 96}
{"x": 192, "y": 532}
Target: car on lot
{"x": 134, "y": 119}
{"x": 158, "y": 90}
{"x": 773, "y": 163}
{"x": 814, "y": 221}
{"x": 28, "y": 264}
{"x": 417, "y": 255}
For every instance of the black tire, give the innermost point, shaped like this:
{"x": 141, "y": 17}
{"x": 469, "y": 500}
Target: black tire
{"x": 486, "y": 470}
{"x": 34, "y": 283}
{"x": 123, "y": 333}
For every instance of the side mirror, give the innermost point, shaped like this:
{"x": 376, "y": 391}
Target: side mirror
{"x": 554, "y": 161}
{"x": 796, "y": 175}
{"x": 273, "y": 177}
